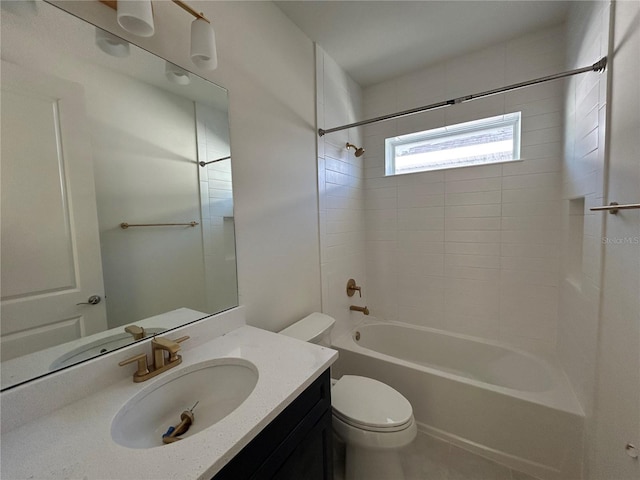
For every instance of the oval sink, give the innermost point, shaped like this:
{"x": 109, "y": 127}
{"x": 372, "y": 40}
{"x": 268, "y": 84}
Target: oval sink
{"x": 219, "y": 386}
{"x": 98, "y": 347}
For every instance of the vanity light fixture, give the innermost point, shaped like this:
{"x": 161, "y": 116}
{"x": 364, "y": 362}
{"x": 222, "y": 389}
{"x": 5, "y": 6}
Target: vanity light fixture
{"x": 136, "y": 17}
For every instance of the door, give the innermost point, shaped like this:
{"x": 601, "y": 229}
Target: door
{"x": 618, "y": 390}
{"x": 50, "y": 247}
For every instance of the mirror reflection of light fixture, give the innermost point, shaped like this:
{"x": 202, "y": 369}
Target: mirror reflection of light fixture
{"x": 176, "y": 75}
{"x": 110, "y": 44}
{"x": 136, "y": 17}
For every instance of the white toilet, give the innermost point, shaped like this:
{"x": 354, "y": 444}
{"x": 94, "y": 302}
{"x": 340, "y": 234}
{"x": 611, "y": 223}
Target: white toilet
{"x": 370, "y": 417}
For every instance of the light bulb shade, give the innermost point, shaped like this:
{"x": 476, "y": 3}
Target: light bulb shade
{"x": 136, "y": 16}
{"x": 203, "y": 45}
{"x": 176, "y": 75}
{"x": 110, "y": 44}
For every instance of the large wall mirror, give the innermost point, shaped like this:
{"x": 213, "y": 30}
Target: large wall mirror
{"x": 112, "y": 230}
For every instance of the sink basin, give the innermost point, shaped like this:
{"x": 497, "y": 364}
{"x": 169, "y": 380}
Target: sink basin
{"x": 98, "y": 347}
{"x": 220, "y": 386}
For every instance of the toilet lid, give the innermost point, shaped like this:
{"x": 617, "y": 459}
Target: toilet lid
{"x": 370, "y": 403}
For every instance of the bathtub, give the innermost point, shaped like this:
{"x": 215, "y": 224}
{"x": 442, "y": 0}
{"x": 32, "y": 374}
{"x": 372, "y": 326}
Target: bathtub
{"x": 495, "y": 400}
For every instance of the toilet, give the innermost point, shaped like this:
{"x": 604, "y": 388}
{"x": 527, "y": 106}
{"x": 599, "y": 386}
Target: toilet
{"x": 370, "y": 417}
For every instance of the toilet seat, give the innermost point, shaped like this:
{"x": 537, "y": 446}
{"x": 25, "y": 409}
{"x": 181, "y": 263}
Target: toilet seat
{"x": 370, "y": 405}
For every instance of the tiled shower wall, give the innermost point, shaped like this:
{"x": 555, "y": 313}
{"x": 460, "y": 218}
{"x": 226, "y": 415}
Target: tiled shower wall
{"x": 340, "y": 186}
{"x": 474, "y": 250}
{"x": 583, "y": 183}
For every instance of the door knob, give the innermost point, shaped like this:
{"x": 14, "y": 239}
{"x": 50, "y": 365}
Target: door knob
{"x": 92, "y": 300}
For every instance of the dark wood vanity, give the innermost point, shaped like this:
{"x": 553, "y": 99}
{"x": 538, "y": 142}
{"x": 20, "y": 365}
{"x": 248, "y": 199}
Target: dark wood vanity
{"x": 296, "y": 445}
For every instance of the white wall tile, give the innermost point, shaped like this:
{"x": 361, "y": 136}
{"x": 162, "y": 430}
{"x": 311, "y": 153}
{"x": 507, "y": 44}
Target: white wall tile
{"x": 473, "y": 210}
{"x": 453, "y": 241}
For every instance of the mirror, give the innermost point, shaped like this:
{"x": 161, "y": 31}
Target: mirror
{"x": 108, "y": 220}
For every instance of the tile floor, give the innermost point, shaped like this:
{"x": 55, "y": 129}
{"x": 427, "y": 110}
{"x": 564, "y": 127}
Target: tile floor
{"x": 428, "y": 458}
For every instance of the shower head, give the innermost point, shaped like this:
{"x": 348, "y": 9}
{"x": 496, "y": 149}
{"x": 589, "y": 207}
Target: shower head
{"x": 359, "y": 151}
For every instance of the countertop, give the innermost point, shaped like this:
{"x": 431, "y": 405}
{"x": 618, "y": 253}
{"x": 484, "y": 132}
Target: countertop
{"x": 75, "y": 441}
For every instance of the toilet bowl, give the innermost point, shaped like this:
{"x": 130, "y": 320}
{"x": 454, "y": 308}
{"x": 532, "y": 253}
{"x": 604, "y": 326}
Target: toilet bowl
{"x": 370, "y": 417}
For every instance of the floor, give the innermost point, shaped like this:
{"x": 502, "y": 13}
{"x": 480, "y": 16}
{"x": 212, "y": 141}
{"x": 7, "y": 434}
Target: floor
{"x": 428, "y": 458}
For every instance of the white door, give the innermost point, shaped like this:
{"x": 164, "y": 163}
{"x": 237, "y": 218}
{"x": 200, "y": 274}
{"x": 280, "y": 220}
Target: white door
{"x": 50, "y": 247}
{"x": 618, "y": 392}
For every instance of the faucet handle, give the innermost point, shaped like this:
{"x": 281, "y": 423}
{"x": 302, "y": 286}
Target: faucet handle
{"x": 142, "y": 365}
{"x": 352, "y": 288}
{"x": 167, "y": 344}
{"x": 172, "y": 346}
{"x": 172, "y": 355}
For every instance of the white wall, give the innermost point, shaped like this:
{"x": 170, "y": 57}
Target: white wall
{"x": 599, "y": 335}
{"x": 341, "y": 194}
{"x": 583, "y": 178}
{"x": 267, "y": 65}
{"x": 617, "y": 412}
{"x": 472, "y": 250}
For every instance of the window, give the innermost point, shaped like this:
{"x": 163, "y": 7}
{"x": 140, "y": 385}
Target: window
{"x": 481, "y": 142}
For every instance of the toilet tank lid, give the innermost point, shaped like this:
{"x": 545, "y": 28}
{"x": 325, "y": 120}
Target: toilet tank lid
{"x": 311, "y": 328}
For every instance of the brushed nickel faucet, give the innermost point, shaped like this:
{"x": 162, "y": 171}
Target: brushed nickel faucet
{"x": 162, "y": 362}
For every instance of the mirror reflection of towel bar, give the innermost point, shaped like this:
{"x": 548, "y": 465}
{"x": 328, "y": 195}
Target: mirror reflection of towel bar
{"x": 125, "y": 225}
{"x": 203, "y": 164}
{"x": 613, "y": 207}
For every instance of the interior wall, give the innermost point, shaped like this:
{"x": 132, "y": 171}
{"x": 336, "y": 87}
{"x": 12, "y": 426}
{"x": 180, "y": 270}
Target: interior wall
{"x": 340, "y": 186}
{"x": 616, "y": 423}
{"x": 472, "y": 250}
{"x": 582, "y": 188}
{"x": 267, "y": 64}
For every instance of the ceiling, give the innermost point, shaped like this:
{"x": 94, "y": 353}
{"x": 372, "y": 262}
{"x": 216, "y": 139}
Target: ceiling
{"x": 374, "y": 41}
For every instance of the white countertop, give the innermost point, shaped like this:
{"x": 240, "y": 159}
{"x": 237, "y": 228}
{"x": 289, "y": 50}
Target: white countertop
{"x": 75, "y": 441}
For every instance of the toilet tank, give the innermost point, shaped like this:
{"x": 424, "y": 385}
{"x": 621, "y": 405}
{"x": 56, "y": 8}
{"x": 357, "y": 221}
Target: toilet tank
{"x": 314, "y": 328}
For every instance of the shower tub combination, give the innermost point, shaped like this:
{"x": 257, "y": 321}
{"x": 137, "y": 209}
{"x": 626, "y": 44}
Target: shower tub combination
{"x": 495, "y": 400}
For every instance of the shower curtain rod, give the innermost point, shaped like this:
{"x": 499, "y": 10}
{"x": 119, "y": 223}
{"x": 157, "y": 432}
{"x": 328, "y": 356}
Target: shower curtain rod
{"x": 596, "y": 67}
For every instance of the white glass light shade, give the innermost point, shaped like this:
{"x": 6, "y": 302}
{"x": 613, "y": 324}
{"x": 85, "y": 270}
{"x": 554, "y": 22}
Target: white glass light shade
{"x": 176, "y": 75}
{"x": 203, "y": 45}
{"x": 112, "y": 45}
{"x": 136, "y": 16}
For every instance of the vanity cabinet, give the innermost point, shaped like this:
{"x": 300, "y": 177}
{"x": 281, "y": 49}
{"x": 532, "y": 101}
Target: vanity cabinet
{"x": 296, "y": 445}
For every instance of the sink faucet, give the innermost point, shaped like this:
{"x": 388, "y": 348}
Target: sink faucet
{"x": 137, "y": 332}
{"x": 160, "y": 346}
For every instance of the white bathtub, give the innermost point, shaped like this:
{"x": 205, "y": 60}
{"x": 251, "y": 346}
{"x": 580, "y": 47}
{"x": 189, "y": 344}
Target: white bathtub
{"x": 493, "y": 399}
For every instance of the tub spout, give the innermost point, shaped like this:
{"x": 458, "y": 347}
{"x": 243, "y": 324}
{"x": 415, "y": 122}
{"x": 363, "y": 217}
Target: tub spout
{"x": 364, "y": 309}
